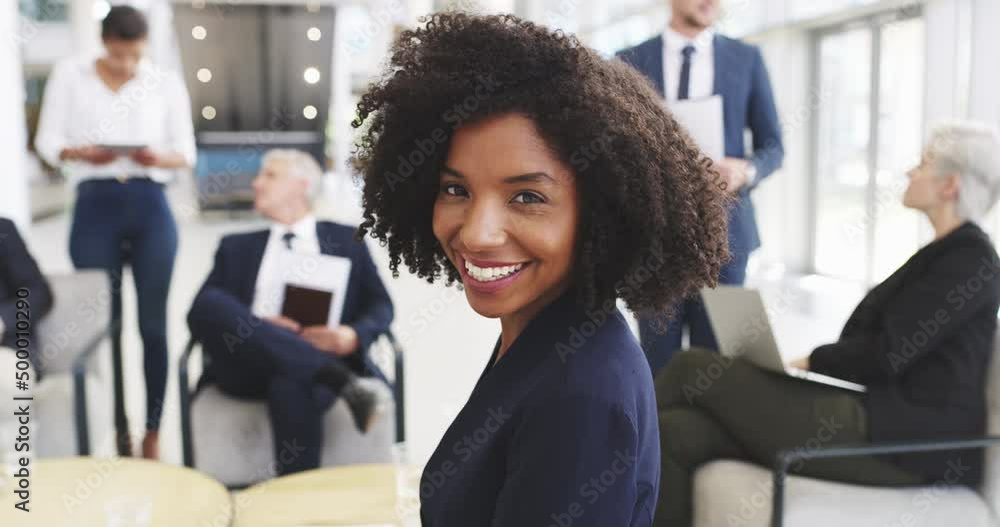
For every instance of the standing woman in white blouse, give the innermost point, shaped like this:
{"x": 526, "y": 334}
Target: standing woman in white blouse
{"x": 120, "y": 98}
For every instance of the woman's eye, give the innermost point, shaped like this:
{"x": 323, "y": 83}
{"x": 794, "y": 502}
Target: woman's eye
{"x": 528, "y": 198}
{"x": 453, "y": 189}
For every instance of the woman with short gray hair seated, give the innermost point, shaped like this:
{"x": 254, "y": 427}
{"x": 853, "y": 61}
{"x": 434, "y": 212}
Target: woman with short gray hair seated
{"x": 921, "y": 341}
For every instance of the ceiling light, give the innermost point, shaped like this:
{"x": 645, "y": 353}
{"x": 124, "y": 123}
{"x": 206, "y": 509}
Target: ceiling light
{"x": 199, "y": 32}
{"x": 311, "y": 75}
{"x": 208, "y": 112}
{"x": 310, "y": 112}
{"x": 204, "y": 74}
{"x": 314, "y": 34}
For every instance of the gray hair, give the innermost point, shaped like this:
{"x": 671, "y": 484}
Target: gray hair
{"x": 971, "y": 150}
{"x": 300, "y": 164}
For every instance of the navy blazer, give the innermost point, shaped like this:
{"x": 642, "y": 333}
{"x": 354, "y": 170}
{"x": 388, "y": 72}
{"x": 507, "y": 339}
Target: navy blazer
{"x": 19, "y": 270}
{"x": 747, "y": 102}
{"x": 561, "y": 430}
{"x": 367, "y": 306}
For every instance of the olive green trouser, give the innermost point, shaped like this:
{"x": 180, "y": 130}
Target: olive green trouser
{"x": 711, "y": 407}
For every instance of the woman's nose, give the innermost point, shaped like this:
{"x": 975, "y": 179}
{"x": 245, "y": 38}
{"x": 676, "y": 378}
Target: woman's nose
{"x": 484, "y": 228}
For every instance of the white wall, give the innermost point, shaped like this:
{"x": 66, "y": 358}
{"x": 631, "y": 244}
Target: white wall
{"x": 13, "y": 138}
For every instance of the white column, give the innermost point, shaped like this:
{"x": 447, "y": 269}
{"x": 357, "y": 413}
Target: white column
{"x": 984, "y": 82}
{"x": 85, "y": 24}
{"x": 13, "y": 138}
{"x": 946, "y": 63}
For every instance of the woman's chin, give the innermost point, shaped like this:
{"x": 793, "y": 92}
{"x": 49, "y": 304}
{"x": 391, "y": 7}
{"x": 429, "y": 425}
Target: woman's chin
{"x": 488, "y": 309}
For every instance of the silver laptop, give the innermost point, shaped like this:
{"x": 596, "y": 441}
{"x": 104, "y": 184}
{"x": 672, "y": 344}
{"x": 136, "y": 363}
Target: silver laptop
{"x": 742, "y": 329}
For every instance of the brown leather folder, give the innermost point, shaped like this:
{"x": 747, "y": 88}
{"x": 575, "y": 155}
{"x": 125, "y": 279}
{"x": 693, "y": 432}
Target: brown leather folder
{"x": 308, "y": 307}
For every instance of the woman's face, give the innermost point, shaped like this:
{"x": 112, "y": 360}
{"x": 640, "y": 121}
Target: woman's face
{"x": 123, "y": 56}
{"x": 927, "y": 190}
{"x": 506, "y": 215}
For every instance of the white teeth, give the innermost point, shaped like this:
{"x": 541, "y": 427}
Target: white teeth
{"x": 489, "y": 274}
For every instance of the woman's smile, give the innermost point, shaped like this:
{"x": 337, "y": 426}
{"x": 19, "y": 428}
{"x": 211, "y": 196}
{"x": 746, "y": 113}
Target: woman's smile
{"x": 489, "y": 277}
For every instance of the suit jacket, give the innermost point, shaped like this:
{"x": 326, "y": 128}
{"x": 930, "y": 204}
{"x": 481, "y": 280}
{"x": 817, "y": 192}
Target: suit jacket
{"x": 747, "y": 102}
{"x": 922, "y": 341}
{"x": 571, "y": 400}
{"x": 367, "y": 306}
{"x": 19, "y": 270}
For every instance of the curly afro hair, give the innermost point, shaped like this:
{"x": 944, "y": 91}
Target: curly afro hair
{"x": 653, "y": 221}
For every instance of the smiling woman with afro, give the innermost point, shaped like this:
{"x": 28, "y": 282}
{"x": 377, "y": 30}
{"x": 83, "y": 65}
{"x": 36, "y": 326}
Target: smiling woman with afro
{"x": 549, "y": 182}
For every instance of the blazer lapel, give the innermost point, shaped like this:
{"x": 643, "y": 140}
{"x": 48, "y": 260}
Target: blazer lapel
{"x": 327, "y": 245}
{"x": 719, "y": 57}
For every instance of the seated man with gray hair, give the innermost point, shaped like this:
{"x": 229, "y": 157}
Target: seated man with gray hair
{"x": 921, "y": 341}
{"x": 255, "y": 351}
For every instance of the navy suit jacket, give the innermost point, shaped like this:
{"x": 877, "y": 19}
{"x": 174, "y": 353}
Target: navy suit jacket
{"x": 747, "y": 102}
{"x": 367, "y": 306}
{"x": 18, "y": 269}
{"x": 562, "y": 430}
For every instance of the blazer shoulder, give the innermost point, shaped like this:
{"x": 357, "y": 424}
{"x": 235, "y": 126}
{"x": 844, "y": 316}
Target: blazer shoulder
{"x": 7, "y": 226}
{"x": 631, "y": 54}
{"x": 238, "y": 239}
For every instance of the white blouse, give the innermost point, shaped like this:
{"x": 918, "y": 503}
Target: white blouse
{"x": 78, "y": 108}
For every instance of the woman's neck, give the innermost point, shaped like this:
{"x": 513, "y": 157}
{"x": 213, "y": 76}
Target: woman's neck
{"x": 944, "y": 221}
{"x": 512, "y": 325}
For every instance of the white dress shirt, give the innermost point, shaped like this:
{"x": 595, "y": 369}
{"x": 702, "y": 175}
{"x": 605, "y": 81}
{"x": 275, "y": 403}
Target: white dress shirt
{"x": 78, "y": 108}
{"x": 701, "y": 82}
{"x": 269, "y": 291}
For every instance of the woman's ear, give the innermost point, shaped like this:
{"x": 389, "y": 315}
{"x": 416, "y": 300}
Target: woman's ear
{"x": 950, "y": 186}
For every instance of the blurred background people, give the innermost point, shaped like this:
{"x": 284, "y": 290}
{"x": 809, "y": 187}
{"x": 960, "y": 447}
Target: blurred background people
{"x": 255, "y": 351}
{"x": 689, "y": 60}
{"x": 921, "y": 341}
{"x": 118, "y": 125}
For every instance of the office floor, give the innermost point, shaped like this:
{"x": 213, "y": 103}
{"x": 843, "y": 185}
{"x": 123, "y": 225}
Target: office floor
{"x": 445, "y": 342}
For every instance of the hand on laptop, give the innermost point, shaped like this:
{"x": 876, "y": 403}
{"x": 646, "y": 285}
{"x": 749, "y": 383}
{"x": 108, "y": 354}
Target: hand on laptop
{"x": 341, "y": 340}
{"x": 801, "y": 363}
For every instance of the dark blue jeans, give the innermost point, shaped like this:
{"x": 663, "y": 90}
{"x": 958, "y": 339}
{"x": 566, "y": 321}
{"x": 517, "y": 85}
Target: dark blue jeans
{"x": 661, "y": 346}
{"x": 118, "y": 223}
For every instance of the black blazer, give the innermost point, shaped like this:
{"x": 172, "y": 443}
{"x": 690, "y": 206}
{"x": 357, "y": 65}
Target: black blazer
{"x": 367, "y": 306}
{"x": 18, "y": 269}
{"x": 922, "y": 341}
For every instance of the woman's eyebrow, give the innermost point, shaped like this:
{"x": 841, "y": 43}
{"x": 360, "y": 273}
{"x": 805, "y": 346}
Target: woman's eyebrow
{"x": 531, "y": 177}
{"x": 452, "y": 172}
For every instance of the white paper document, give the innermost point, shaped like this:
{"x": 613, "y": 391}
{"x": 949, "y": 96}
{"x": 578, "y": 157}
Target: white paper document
{"x": 317, "y": 271}
{"x": 702, "y": 118}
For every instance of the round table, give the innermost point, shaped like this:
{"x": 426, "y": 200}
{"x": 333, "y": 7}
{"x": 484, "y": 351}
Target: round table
{"x": 105, "y": 492}
{"x": 356, "y": 495}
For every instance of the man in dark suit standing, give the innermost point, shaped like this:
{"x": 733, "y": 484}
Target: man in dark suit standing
{"x": 690, "y": 61}
{"x": 256, "y": 352}
{"x": 18, "y": 271}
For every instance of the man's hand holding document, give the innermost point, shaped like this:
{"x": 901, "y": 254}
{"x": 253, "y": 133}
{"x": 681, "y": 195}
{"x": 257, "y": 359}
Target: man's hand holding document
{"x": 312, "y": 300}
{"x": 703, "y": 120}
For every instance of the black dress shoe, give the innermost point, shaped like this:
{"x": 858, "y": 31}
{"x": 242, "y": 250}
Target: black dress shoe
{"x": 363, "y": 403}
{"x": 361, "y": 400}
